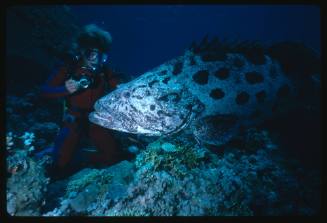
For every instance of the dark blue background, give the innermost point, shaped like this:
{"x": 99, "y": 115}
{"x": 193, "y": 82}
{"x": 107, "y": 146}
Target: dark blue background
{"x": 144, "y": 36}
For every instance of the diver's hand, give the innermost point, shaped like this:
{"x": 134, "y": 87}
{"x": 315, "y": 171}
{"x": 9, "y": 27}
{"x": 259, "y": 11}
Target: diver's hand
{"x": 71, "y": 85}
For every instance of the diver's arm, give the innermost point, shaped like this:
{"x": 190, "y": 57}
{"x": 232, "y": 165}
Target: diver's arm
{"x": 55, "y": 85}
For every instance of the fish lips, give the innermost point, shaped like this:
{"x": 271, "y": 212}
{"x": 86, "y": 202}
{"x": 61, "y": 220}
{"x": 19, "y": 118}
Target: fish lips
{"x": 107, "y": 118}
{"x": 100, "y": 116}
{"x": 101, "y": 119}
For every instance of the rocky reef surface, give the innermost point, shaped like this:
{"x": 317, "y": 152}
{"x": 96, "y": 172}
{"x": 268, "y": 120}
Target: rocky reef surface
{"x": 26, "y": 186}
{"x": 169, "y": 177}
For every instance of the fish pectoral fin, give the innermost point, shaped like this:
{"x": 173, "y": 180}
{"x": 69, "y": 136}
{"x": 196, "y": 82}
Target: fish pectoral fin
{"x": 216, "y": 130}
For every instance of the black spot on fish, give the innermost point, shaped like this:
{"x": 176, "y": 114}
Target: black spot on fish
{"x": 201, "y": 77}
{"x": 177, "y": 68}
{"x": 192, "y": 61}
{"x": 242, "y": 98}
{"x": 152, "y": 107}
{"x": 127, "y": 94}
{"x": 217, "y": 93}
{"x": 283, "y": 91}
{"x": 261, "y": 96}
{"x": 139, "y": 97}
{"x": 238, "y": 62}
{"x": 253, "y": 77}
{"x": 166, "y": 80}
{"x": 222, "y": 73}
{"x": 147, "y": 93}
{"x": 152, "y": 83}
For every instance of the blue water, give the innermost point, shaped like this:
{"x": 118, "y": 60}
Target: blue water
{"x": 144, "y": 36}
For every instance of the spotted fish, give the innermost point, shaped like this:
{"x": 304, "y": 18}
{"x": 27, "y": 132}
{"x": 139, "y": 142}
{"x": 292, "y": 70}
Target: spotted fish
{"x": 211, "y": 90}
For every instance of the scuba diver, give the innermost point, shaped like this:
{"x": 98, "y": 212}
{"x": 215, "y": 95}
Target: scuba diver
{"x": 81, "y": 84}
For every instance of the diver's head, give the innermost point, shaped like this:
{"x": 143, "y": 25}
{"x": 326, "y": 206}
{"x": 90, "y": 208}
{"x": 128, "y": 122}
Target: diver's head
{"x": 93, "y": 57}
{"x": 93, "y": 44}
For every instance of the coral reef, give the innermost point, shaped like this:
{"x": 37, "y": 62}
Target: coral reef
{"x": 236, "y": 183}
{"x": 15, "y": 143}
{"x": 86, "y": 177}
{"x": 89, "y": 189}
{"x": 26, "y": 186}
{"x": 28, "y": 130}
{"x": 25, "y": 115}
{"x": 169, "y": 177}
{"x": 172, "y": 178}
{"x": 163, "y": 156}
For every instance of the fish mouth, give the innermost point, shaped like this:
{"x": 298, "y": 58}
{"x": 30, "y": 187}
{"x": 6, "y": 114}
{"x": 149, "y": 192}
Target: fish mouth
{"x": 100, "y": 118}
{"x": 107, "y": 121}
{"x": 107, "y": 118}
